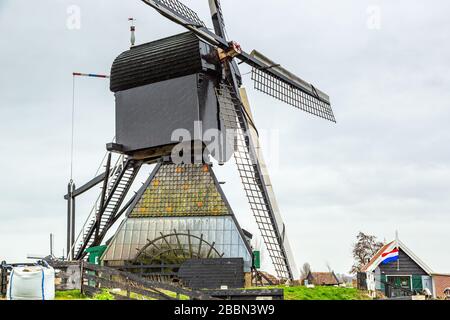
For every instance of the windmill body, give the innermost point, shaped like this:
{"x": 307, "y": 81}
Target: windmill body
{"x": 160, "y": 87}
{"x": 191, "y": 82}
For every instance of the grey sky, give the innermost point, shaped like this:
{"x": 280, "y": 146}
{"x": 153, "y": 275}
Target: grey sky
{"x": 384, "y": 166}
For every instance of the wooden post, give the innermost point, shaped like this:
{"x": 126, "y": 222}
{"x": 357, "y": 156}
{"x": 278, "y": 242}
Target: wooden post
{"x": 81, "y": 275}
{"x": 128, "y": 287}
{"x": 72, "y": 232}
{"x": 3, "y": 279}
{"x": 69, "y": 220}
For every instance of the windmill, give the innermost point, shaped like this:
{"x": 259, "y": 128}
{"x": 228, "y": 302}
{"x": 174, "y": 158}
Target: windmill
{"x": 201, "y": 67}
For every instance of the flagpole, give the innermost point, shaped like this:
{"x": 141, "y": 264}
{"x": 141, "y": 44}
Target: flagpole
{"x": 396, "y": 244}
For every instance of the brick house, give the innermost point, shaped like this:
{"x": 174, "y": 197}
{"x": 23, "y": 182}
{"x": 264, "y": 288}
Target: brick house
{"x": 441, "y": 283}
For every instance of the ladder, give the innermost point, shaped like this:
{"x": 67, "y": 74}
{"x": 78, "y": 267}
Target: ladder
{"x": 106, "y": 210}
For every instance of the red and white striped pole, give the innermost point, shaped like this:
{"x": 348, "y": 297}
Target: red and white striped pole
{"x": 91, "y": 75}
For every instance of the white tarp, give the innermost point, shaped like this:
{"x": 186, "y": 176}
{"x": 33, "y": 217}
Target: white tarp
{"x": 31, "y": 283}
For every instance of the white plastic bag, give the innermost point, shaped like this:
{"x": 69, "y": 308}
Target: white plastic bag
{"x": 31, "y": 283}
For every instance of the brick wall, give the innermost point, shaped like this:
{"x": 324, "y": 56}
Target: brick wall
{"x": 440, "y": 283}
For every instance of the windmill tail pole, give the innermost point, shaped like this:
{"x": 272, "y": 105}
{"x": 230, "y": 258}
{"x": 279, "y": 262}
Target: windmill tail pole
{"x": 70, "y": 219}
{"x": 71, "y": 186}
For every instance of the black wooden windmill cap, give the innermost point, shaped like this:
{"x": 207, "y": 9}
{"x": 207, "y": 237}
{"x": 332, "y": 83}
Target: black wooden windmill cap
{"x": 160, "y": 87}
{"x": 172, "y": 57}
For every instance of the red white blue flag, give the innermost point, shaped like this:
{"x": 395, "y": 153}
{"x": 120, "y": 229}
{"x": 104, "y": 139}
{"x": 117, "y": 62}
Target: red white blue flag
{"x": 389, "y": 256}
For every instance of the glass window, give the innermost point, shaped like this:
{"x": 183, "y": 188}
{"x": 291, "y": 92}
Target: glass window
{"x": 234, "y": 251}
{"x": 182, "y": 225}
{"x": 219, "y": 237}
{"x": 197, "y": 224}
{"x": 135, "y": 236}
{"x": 190, "y": 224}
{"x": 220, "y": 224}
{"x": 228, "y": 223}
{"x": 152, "y": 224}
{"x": 175, "y": 223}
{"x": 167, "y": 225}
{"x": 212, "y": 224}
{"x": 234, "y": 237}
{"x": 227, "y": 250}
{"x": 227, "y": 237}
{"x": 219, "y": 248}
{"x": 143, "y": 236}
{"x": 118, "y": 252}
{"x": 127, "y": 238}
{"x": 211, "y": 236}
{"x": 120, "y": 236}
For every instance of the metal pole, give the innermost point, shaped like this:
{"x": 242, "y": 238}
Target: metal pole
{"x": 69, "y": 219}
{"x": 72, "y": 242}
{"x": 51, "y": 244}
{"x": 397, "y": 245}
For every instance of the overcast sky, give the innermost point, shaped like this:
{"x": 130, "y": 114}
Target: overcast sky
{"x": 383, "y": 166}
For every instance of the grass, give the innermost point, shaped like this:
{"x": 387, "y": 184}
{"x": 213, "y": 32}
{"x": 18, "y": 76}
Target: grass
{"x": 104, "y": 295}
{"x": 70, "y": 295}
{"x": 76, "y": 295}
{"x": 290, "y": 293}
{"x": 322, "y": 293}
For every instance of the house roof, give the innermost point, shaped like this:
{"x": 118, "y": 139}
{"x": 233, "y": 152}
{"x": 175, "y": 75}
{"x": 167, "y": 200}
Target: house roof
{"x": 327, "y": 278}
{"x": 376, "y": 260}
{"x": 376, "y": 256}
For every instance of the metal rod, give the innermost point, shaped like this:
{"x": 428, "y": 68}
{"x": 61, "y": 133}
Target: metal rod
{"x": 72, "y": 201}
{"x": 51, "y": 244}
{"x": 69, "y": 219}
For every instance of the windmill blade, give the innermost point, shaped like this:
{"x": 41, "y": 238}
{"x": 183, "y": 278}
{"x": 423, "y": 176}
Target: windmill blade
{"x": 219, "y": 28}
{"x": 269, "y": 77}
{"x": 256, "y": 181}
{"x": 193, "y": 24}
{"x": 274, "y": 80}
{"x": 217, "y": 18}
{"x": 180, "y": 11}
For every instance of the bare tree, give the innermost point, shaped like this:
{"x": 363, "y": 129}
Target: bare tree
{"x": 329, "y": 267}
{"x": 306, "y": 268}
{"x": 363, "y": 250}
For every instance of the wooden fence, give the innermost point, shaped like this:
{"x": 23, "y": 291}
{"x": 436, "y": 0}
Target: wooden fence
{"x": 127, "y": 286}
{"x": 3, "y": 279}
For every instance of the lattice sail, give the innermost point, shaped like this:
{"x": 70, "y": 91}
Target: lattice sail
{"x": 181, "y": 10}
{"x": 277, "y": 88}
{"x": 259, "y": 196}
{"x": 227, "y": 107}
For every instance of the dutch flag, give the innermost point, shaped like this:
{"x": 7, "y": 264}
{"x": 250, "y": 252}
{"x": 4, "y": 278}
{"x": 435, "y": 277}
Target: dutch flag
{"x": 390, "y": 256}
